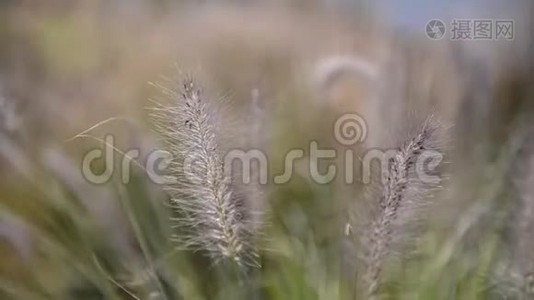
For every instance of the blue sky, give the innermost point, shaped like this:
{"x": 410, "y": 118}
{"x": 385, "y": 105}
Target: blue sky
{"x": 415, "y": 14}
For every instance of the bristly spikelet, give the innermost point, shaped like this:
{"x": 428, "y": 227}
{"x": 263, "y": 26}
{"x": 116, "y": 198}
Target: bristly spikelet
{"x": 209, "y": 217}
{"x": 400, "y": 194}
{"x": 523, "y": 246}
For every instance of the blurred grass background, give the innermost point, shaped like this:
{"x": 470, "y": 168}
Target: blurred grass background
{"x": 67, "y": 65}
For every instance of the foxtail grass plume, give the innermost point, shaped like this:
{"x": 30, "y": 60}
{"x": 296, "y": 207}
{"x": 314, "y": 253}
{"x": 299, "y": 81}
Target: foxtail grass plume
{"x": 524, "y": 230}
{"x": 209, "y": 216}
{"x": 400, "y": 192}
